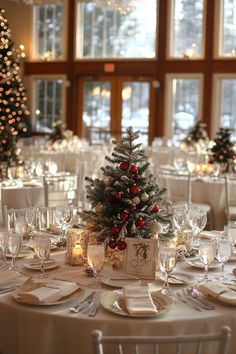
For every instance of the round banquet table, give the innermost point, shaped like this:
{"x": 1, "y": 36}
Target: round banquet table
{"x": 27, "y": 329}
{"x": 204, "y": 189}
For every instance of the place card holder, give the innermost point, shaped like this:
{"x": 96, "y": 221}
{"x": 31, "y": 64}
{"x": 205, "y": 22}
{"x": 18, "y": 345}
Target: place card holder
{"x": 76, "y": 246}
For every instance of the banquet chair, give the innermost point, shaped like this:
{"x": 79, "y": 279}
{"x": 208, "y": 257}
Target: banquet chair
{"x": 61, "y": 190}
{"x": 10, "y": 216}
{"x": 230, "y": 197}
{"x": 182, "y": 344}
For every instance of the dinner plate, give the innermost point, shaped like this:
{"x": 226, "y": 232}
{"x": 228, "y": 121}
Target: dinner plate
{"x": 114, "y": 302}
{"x": 21, "y": 254}
{"x": 120, "y": 282}
{"x": 28, "y": 287}
{"x": 177, "y": 278}
{"x": 195, "y": 262}
{"x": 35, "y": 265}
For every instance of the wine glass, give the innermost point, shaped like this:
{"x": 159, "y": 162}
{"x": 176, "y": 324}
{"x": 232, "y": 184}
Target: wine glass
{"x": 3, "y": 246}
{"x": 63, "y": 216}
{"x": 223, "y": 253}
{"x": 14, "y": 243}
{"x": 166, "y": 263}
{"x": 215, "y": 169}
{"x": 197, "y": 220}
{"x": 32, "y": 218}
{"x": 42, "y": 248}
{"x": 179, "y": 217}
{"x": 96, "y": 257}
{"x": 207, "y": 252}
{"x": 21, "y": 226}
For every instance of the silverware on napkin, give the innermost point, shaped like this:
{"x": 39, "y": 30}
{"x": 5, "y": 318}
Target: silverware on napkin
{"x": 83, "y": 303}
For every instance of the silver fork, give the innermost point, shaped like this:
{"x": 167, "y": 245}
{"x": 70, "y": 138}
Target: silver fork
{"x": 181, "y": 297}
{"x": 83, "y": 304}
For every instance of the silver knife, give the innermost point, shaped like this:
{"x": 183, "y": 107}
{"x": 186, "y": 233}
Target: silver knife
{"x": 94, "y": 309}
{"x": 78, "y": 307}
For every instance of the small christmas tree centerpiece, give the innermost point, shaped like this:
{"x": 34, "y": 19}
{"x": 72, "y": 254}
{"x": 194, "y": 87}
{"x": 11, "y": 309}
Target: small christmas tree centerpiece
{"x": 197, "y": 135}
{"x": 127, "y": 199}
{"x": 223, "y": 150}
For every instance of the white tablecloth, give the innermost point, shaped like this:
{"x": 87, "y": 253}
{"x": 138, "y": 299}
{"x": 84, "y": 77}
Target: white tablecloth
{"x": 54, "y": 330}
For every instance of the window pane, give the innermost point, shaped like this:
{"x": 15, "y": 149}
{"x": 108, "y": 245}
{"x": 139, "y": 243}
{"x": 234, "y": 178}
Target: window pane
{"x": 228, "y": 104}
{"x": 187, "y": 25}
{"x": 135, "y": 108}
{"x": 105, "y": 32}
{"x": 185, "y": 111}
{"x": 228, "y": 29}
{"x": 48, "y": 31}
{"x": 48, "y": 108}
{"x": 96, "y": 111}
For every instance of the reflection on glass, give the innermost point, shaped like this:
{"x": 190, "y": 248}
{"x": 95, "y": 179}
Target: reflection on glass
{"x": 227, "y": 30}
{"x": 187, "y": 24}
{"x": 228, "y": 103}
{"x": 103, "y": 32}
{"x": 185, "y": 109}
{"x": 96, "y": 111}
{"x": 48, "y": 98}
{"x": 135, "y": 108}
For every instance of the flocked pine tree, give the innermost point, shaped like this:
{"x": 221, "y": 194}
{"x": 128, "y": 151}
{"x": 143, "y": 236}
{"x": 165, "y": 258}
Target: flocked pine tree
{"x": 127, "y": 199}
{"x": 14, "y": 115}
{"x": 197, "y": 134}
{"x": 223, "y": 151}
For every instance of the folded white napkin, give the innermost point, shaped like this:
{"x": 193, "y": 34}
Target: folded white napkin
{"x": 49, "y": 292}
{"x": 209, "y": 234}
{"x": 138, "y": 300}
{"x": 218, "y": 291}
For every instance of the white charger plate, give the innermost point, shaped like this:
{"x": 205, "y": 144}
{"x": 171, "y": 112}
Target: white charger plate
{"x": 119, "y": 282}
{"x": 114, "y": 301}
{"x": 195, "y": 262}
{"x": 21, "y": 254}
{"x": 35, "y": 265}
{"x": 181, "y": 278}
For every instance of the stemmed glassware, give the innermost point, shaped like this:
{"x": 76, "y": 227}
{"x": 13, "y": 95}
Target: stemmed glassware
{"x": 3, "y": 246}
{"x": 197, "y": 219}
{"x": 14, "y": 243}
{"x": 207, "y": 253}
{"x": 32, "y": 218}
{"x": 42, "y": 248}
{"x": 223, "y": 253}
{"x": 166, "y": 263}
{"x": 96, "y": 257}
{"x": 63, "y": 217}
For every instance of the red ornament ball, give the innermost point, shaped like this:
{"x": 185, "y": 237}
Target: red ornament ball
{"x": 121, "y": 245}
{"x": 112, "y": 244}
{"x": 134, "y": 189}
{"x": 133, "y": 169}
{"x": 115, "y": 229}
{"x": 124, "y": 166}
{"x": 140, "y": 223}
{"x": 117, "y": 196}
{"x": 133, "y": 207}
{"x": 124, "y": 215}
{"x": 136, "y": 177}
{"x": 156, "y": 208}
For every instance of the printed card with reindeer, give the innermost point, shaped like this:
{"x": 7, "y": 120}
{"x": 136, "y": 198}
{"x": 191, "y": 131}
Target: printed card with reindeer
{"x": 141, "y": 257}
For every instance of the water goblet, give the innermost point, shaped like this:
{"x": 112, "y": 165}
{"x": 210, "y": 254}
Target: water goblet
{"x": 21, "y": 226}
{"x": 32, "y": 218}
{"x": 63, "y": 216}
{"x": 166, "y": 263}
{"x": 179, "y": 217}
{"x": 3, "y": 246}
{"x": 231, "y": 231}
{"x": 42, "y": 248}
{"x": 207, "y": 252}
{"x": 197, "y": 220}
{"x": 223, "y": 253}
{"x": 14, "y": 243}
{"x": 96, "y": 257}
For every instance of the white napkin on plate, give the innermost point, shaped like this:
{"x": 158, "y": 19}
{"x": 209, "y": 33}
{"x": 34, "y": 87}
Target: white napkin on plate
{"x": 138, "y": 300}
{"x": 48, "y": 292}
{"x": 218, "y": 291}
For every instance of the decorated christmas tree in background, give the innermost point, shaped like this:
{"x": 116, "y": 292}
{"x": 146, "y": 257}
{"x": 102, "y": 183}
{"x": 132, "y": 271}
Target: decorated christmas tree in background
{"x": 223, "y": 151}
{"x": 14, "y": 115}
{"x": 197, "y": 134}
{"x": 127, "y": 199}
